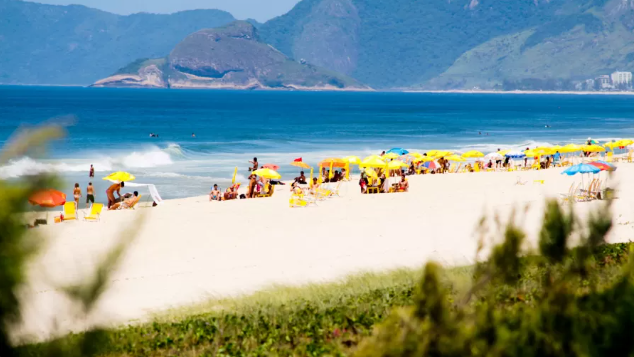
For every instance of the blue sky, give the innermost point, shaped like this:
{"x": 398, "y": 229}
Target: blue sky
{"x": 260, "y": 10}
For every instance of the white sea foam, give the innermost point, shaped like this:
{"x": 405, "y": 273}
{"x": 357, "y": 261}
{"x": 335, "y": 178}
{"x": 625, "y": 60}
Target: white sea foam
{"x": 27, "y": 166}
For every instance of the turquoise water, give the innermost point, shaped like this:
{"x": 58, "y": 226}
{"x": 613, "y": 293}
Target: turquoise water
{"x": 110, "y": 128}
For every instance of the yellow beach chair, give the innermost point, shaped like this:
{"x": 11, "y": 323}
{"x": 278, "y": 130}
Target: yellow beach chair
{"x": 95, "y": 213}
{"x": 70, "y": 211}
{"x": 269, "y": 191}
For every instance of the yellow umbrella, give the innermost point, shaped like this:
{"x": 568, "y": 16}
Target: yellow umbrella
{"x": 396, "y": 164}
{"x": 624, "y": 142}
{"x": 235, "y": 172}
{"x": 120, "y": 176}
{"x": 454, "y": 158}
{"x": 416, "y": 154}
{"x": 391, "y": 155}
{"x": 371, "y": 157}
{"x": 472, "y": 153}
{"x": 267, "y": 173}
{"x": 531, "y": 153}
{"x": 557, "y": 148}
{"x": 355, "y": 160}
{"x": 572, "y": 148}
{"x": 439, "y": 153}
{"x": 611, "y": 145}
{"x": 301, "y": 164}
{"x": 373, "y": 162}
{"x": 544, "y": 150}
{"x": 424, "y": 159}
{"x": 370, "y": 172}
{"x": 593, "y": 148}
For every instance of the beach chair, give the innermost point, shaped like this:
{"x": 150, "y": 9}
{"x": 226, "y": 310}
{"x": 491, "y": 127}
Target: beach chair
{"x": 70, "y": 211}
{"x": 95, "y": 213}
{"x": 535, "y": 166}
{"x": 568, "y": 197}
{"x": 269, "y": 191}
{"x": 476, "y": 167}
{"x": 300, "y": 200}
{"x": 123, "y": 206}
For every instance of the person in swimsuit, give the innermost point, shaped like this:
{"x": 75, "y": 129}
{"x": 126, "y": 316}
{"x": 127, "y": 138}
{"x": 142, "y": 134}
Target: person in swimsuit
{"x": 111, "y": 190}
{"x": 215, "y": 194}
{"x": 254, "y": 163}
{"x": 127, "y": 203}
{"x": 90, "y": 194}
{"x": 403, "y": 184}
{"x": 77, "y": 194}
{"x": 252, "y": 184}
{"x": 91, "y": 173}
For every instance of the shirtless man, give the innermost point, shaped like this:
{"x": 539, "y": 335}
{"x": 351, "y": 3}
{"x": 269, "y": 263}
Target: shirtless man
{"x": 254, "y": 163}
{"x": 91, "y": 173}
{"x": 90, "y": 194}
{"x": 110, "y": 193}
{"x": 404, "y": 184}
{"x": 215, "y": 194}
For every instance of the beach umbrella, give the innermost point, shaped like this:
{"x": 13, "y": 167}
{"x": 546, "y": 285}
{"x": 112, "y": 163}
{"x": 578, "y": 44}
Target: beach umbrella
{"x": 371, "y": 157}
{"x": 572, "y": 148}
{"x": 408, "y": 158}
{"x": 396, "y": 164}
{"x": 391, "y": 155}
{"x": 531, "y": 153}
{"x": 335, "y": 161}
{"x": 235, "y": 173}
{"x": 431, "y": 165}
{"x": 355, "y": 160}
{"x": 120, "y": 176}
{"x": 515, "y": 154}
{"x": 424, "y": 159}
{"x": 271, "y": 166}
{"x": 267, "y": 173}
{"x": 503, "y": 152}
{"x": 592, "y": 148}
{"x": 472, "y": 154}
{"x": 370, "y": 172}
{"x": 543, "y": 150}
{"x": 416, "y": 154}
{"x": 493, "y": 156}
{"x": 602, "y": 165}
{"x": 455, "y": 158}
{"x": 581, "y": 169}
{"x": 301, "y": 164}
{"x": 557, "y": 148}
{"x": 48, "y": 198}
{"x": 611, "y": 145}
{"x": 624, "y": 142}
{"x": 439, "y": 153}
{"x": 373, "y": 162}
{"x": 398, "y": 151}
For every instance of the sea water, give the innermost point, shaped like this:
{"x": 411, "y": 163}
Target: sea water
{"x": 110, "y": 128}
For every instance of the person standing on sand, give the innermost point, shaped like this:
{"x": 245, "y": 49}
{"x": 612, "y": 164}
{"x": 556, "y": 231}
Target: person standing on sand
{"x": 91, "y": 173}
{"x": 111, "y": 190}
{"x": 90, "y": 194}
{"x": 77, "y": 194}
{"x": 252, "y": 184}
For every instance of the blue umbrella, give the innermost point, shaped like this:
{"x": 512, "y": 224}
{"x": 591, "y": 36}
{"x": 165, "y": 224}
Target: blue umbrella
{"x": 581, "y": 169}
{"x": 398, "y": 151}
{"x": 515, "y": 155}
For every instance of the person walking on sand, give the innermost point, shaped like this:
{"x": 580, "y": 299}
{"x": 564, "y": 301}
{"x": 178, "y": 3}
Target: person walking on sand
{"x": 111, "y": 190}
{"x": 91, "y": 173}
{"x": 77, "y": 194}
{"x": 90, "y": 194}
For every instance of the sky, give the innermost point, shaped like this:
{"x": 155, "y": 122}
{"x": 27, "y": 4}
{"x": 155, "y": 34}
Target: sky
{"x": 260, "y": 10}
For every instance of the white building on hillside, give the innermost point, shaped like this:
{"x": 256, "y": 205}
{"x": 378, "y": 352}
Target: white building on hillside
{"x": 604, "y": 82}
{"x": 620, "y": 78}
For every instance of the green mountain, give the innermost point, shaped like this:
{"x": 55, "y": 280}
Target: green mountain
{"x": 575, "y": 46}
{"x": 45, "y": 44}
{"x": 231, "y": 56}
{"x": 457, "y": 43}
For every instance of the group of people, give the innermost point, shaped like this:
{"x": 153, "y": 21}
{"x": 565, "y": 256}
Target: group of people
{"x": 382, "y": 182}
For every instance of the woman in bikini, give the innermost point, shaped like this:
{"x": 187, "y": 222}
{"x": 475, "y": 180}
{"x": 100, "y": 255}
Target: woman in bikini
{"x": 77, "y": 194}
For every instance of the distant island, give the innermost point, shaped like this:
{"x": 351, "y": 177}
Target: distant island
{"x": 228, "y": 57}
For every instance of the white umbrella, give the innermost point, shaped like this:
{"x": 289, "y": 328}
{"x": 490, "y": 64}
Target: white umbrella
{"x": 493, "y": 156}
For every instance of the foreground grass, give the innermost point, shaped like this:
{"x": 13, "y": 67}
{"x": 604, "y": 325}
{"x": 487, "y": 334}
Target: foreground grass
{"x": 318, "y": 319}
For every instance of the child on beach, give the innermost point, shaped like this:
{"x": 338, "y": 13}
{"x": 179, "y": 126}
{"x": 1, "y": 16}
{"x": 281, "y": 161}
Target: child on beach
{"x": 90, "y": 194}
{"x": 77, "y": 194}
{"x": 214, "y": 195}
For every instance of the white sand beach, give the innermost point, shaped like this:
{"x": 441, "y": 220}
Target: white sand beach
{"x": 189, "y": 250}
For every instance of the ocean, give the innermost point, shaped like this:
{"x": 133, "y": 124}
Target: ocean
{"x": 110, "y": 128}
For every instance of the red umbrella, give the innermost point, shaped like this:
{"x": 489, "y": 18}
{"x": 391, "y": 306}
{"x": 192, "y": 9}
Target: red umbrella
{"x": 271, "y": 166}
{"x": 48, "y": 198}
{"x": 603, "y": 166}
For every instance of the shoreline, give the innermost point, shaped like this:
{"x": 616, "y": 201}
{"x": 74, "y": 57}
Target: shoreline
{"x": 464, "y": 91}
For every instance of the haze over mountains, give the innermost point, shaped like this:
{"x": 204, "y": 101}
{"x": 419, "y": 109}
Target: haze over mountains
{"x": 435, "y": 44}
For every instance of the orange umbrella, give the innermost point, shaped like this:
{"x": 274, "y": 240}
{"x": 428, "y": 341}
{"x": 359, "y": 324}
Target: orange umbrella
{"x": 271, "y": 166}
{"x": 301, "y": 164}
{"x": 48, "y": 198}
{"x": 334, "y": 161}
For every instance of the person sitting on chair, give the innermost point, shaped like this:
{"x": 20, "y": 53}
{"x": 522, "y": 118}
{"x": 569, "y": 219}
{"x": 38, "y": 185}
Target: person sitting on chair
{"x": 126, "y": 203}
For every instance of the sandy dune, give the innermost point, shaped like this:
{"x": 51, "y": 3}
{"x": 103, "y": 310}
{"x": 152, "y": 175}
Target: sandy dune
{"x": 188, "y": 250}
